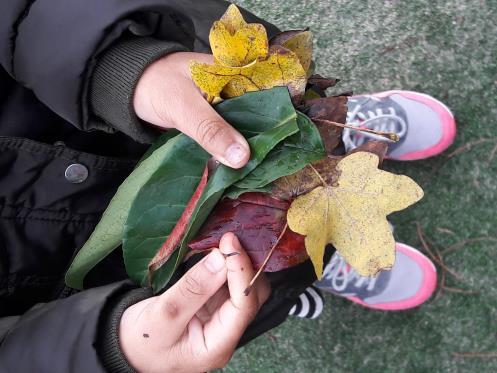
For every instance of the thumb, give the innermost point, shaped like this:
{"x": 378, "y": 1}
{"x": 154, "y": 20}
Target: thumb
{"x": 167, "y": 97}
{"x": 196, "y": 118}
{"x": 182, "y": 106}
{"x": 181, "y": 302}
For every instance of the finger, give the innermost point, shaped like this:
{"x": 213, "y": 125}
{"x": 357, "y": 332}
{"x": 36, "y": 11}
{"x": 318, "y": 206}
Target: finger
{"x": 225, "y": 328}
{"x": 195, "y": 333}
{"x": 180, "y": 303}
{"x": 262, "y": 287}
{"x": 213, "y": 304}
{"x": 196, "y": 118}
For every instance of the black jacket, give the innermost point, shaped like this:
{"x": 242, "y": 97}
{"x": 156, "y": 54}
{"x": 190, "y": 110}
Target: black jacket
{"x": 66, "y": 83}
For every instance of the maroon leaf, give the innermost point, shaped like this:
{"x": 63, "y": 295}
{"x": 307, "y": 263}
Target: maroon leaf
{"x": 176, "y": 235}
{"x": 257, "y": 220}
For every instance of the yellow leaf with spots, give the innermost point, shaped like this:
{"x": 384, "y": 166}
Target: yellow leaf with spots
{"x": 212, "y": 79}
{"x": 351, "y": 214}
{"x": 234, "y": 42}
{"x": 280, "y": 68}
{"x": 233, "y": 19}
{"x": 244, "y": 63}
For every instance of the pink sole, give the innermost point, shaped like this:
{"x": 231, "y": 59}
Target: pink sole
{"x": 427, "y": 287}
{"x": 446, "y": 118}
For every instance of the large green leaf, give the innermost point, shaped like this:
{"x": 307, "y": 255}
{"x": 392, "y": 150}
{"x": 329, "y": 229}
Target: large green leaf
{"x": 108, "y": 234}
{"x": 159, "y": 204}
{"x": 288, "y": 157}
{"x": 265, "y": 117}
{"x": 165, "y": 137}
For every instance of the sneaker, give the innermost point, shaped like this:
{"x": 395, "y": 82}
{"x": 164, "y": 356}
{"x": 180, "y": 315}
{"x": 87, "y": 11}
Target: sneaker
{"x": 410, "y": 282}
{"x": 425, "y": 126}
{"x": 309, "y": 305}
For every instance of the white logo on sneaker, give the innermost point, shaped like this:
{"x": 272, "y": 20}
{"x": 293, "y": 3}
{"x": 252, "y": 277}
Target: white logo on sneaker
{"x": 384, "y": 119}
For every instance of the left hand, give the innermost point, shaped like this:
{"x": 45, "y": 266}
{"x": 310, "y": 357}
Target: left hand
{"x": 197, "y": 323}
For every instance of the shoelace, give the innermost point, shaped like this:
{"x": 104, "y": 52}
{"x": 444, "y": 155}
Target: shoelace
{"x": 377, "y": 120}
{"x": 341, "y": 274}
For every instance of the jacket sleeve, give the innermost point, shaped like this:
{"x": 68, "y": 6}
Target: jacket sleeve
{"x": 66, "y": 335}
{"x": 51, "y": 46}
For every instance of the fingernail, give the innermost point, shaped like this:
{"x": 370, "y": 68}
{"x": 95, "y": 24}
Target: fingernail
{"x": 214, "y": 262}
{"x": 235, "y": 154}
{"x": 231, "y": 254}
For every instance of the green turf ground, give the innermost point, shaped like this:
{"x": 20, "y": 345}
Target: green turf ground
{"x": 447, "y": 49}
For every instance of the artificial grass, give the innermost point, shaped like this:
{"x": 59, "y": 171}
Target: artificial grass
{"x": 447, "y": 49}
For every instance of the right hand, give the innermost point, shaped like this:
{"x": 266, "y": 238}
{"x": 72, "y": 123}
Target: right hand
{"x": 196, "y": 324}
{"x": 166, "y": 96}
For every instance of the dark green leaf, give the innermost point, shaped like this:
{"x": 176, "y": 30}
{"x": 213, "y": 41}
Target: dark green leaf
{"x": 159, "y": 204}
{"x": 256, "y": 112}
{"x": 288, "y": 157}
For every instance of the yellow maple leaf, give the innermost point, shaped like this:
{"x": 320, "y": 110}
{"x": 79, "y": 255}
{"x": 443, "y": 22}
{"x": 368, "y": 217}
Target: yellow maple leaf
{"x": 351, "y": 215}
{"x": 236, "y": 43}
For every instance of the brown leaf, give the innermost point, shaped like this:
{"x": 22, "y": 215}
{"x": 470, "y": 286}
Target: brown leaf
{"x": 321, "y": 172}
{"x": 321, "y": 82}
{"x": 307, "y": 179}
{"x": 333, "y": 109}
{"x": 379, "y": 148}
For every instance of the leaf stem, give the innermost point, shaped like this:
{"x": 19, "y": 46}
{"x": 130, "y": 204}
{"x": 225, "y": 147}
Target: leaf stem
{"x": 319, "y": 175}
{"x": 388, "y": 135}
{"x": 249, "y": 287}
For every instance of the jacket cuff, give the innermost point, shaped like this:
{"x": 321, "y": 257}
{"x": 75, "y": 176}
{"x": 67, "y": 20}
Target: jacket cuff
{"x": 114, "y": 80}
{"x": 108, "y": 346}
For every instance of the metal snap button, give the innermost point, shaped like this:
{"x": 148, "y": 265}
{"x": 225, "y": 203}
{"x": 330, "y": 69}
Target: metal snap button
{"x": 76, "y": 173}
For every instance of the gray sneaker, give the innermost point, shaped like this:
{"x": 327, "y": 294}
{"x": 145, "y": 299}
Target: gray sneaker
{"x": 410, "y": 282}
{"x": 425, "y": 126}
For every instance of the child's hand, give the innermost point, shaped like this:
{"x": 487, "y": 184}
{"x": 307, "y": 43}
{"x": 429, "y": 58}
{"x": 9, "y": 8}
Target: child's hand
{"x": 196, "y": 324}
{"x": 167, "y": 97}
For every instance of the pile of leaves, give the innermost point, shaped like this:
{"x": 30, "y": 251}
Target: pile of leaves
{"x": 295, "y": 195}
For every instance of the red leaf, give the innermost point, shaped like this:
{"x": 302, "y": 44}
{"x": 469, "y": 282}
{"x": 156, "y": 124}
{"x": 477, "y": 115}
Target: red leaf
{"x": 257, "y": 220}
{"x": 178, "y": 231}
